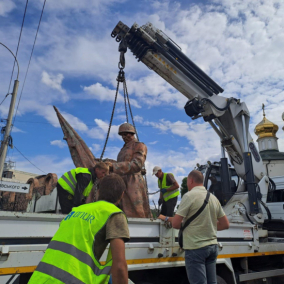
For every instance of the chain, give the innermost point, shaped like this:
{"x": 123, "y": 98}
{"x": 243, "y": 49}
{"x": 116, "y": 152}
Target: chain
{"x": 151, "y": 193}
{"x": 96, "y": 190}
{"x": 120, "y": 78}
{"x": 124, "y": 94}
{"x": 143, "y": 167}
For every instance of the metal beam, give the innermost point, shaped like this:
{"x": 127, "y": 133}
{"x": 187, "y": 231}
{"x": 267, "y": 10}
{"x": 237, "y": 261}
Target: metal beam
{"x": 259, "y": 275}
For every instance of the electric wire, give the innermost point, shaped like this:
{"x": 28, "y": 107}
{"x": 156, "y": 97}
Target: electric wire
{"x": 19, "y": 40}
{"x": 29, "y": 160}
{"x": 4, "y": 99}
{"x": 14, "y": 57}
{"x": 28, "y": 71}
{"x": 28, "y": 64}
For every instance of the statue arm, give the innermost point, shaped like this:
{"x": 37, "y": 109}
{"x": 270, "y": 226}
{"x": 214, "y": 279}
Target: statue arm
{"x": 135, "y": 165}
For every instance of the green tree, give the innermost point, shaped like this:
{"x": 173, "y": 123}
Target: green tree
{"x": 183, "y": 188}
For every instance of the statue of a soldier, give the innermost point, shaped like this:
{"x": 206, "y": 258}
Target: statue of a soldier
{"x": 130, "y": 161}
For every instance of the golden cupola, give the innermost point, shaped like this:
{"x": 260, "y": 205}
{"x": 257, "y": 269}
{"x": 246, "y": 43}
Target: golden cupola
{"x": 266, "y": 132}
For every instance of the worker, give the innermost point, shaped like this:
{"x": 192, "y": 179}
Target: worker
{"x": 200, "y": 236}
{"x": 168, "y": 191}
{"x": 74, "y": 253}
{"x": 74, "y": 186}
{"x": 130, "y": 162}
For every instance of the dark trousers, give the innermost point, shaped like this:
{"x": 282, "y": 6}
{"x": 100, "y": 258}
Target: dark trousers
{"x": 169, "y": 206}
{"x": 65, "y": 199}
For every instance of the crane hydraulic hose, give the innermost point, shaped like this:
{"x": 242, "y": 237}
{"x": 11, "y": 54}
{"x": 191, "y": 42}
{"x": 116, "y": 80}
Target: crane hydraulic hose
{"x": 203, "y": 101}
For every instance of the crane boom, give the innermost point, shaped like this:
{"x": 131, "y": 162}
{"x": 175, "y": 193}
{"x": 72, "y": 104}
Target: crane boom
{"x": 228, "y": 116}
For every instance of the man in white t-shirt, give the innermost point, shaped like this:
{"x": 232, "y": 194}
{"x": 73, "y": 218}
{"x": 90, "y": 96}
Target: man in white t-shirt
{"x": 200, "y": 237}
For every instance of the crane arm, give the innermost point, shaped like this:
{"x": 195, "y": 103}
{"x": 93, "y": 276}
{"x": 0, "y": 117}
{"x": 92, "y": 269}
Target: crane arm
{"x": 228, "y": 116}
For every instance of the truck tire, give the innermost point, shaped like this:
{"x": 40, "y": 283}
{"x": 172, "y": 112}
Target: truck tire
{"x": 220, "y": 280}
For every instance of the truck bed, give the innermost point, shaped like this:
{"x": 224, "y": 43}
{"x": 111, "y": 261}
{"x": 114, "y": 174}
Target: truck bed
{"x": 25, "y": 236}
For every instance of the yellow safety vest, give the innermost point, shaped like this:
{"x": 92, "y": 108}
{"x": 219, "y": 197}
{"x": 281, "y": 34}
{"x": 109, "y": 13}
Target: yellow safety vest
{"x": 169, "y": 194}
{"x": 68, "y": 181}
{"x": 69, "y": 257}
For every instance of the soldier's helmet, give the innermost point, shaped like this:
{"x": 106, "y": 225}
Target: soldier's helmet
{"x": 126, "y": 127}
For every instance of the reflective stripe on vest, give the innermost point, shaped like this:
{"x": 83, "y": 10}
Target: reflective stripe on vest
{"x": 69, "y": 257}
{"x": 56, "y": 273}
{"x": 169, "y": 194}
{"x": 68, "y": 181}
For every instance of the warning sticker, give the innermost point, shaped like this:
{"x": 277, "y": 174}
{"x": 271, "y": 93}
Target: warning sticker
{"x": 248, "y": 234}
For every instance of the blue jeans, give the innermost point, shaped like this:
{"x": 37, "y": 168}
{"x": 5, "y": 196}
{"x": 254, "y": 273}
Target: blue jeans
{"x": 201, "y": 265}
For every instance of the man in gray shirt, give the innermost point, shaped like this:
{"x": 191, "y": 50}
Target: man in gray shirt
{"x": 200, "y": 237}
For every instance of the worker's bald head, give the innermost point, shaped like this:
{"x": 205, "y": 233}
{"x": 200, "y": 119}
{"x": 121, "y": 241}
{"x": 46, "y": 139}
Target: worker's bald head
{"x": 194, "y": 178}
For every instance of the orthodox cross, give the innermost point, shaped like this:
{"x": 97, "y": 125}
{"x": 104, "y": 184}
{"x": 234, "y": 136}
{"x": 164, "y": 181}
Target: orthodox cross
{"x": 263, "y": 106}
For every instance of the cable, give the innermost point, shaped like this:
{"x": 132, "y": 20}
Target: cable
{"x": 262, "y": 203}
{"x": 14, "y": 57}
{"x": 28, "y": 159}
{"x": 220, "y": 109}
{"x": 272, "y": 185}
{"x": 4, "y": 99}
{"x": 18, "y": 44}
{"x": 28, "y": 65}
{"x": 247, "y": 213}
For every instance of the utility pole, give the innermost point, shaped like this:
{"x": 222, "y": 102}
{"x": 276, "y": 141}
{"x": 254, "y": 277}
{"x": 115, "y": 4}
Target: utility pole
{"x": 5, "y": 142}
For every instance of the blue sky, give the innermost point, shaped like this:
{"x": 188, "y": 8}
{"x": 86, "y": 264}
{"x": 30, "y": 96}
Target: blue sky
{"x": 74, "y": 67}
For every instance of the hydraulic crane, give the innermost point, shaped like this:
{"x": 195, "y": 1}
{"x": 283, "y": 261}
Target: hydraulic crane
{"x": 229, "y": 117}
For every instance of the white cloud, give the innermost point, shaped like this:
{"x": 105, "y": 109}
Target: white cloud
{"x": 53, "y": 81}
{"x": 16, "y": 129}
{"x": 153, "y": 143}
{"x": 101, "y": 93}
{"x": 46, "y": 163}
{"x": 6, "y": 6}
{"x": 153, "y": 91}
{"x": 75, "y": 122}
{"x": 58, "y": 143}
{"x": 95, "y": 148}
{"x": 93, "y": 7}
{"x": 138, "y": 118}
{"x": 100, "y": 131}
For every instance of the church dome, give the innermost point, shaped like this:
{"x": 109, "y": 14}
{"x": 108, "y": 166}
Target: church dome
{"x": 266, "y": 128}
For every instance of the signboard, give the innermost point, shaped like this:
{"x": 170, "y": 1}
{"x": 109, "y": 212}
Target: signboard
{"x": 14, "y": 186}
{"x": 248, "y": 234}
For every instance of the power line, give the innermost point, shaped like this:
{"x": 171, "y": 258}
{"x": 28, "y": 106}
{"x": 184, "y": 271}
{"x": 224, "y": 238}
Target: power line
{"x": 19, "y": 40}
{"x": 4, "y": 99}
{"x": 28, "y": 159}
{"x": 29, "y": 63}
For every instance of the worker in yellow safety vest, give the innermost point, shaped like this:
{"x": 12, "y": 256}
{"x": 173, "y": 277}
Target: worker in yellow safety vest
{"x": 168, "y": 191}
{"x": 74, "y": 253}
{"x": 75, "y": 186}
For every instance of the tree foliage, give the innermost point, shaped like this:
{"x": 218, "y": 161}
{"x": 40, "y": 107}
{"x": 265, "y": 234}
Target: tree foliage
{"x": 183, "y": 188}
